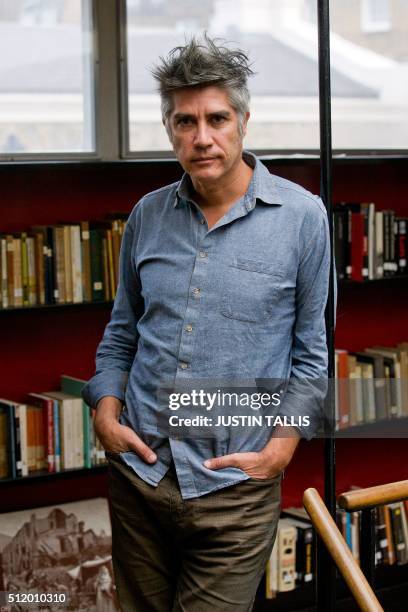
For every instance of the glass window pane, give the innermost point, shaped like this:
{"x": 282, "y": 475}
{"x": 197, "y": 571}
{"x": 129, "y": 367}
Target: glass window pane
{"x": 376, "y": 116}
{"x": 46, "y": 76}
{"x": 369, "y": 70}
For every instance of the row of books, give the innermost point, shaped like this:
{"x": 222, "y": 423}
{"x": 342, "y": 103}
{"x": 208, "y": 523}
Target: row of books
{"x": 52, "y": 431}
{"x": 391, "y": 532}
{"x": 61, "y": 264}
{"x": 369, "y": 243}
{"x": 293, "y": 558}
{"x": 371, "y": 385}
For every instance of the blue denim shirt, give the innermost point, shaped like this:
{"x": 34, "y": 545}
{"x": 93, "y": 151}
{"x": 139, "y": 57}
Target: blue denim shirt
{"x": 244, "y": 300}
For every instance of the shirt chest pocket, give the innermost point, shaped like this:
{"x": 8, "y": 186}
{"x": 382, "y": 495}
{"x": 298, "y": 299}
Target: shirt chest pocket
{"x": 251, "y": 289}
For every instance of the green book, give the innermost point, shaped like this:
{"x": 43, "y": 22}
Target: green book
{"x": 73, "y": 386}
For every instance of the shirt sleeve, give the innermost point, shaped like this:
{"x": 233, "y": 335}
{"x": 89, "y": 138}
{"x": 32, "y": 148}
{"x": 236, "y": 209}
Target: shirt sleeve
{"x": 117, "y": 349}
{"x": 307, "y": 387}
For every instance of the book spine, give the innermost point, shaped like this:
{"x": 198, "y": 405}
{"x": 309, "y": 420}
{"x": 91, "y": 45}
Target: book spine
{"x": 105, "y": 268}
{"x": 22, "y": 413}
{"x": 357, "y": 247}
{"x": 388, "y": 531}
{"x": 68, "y": 263}
{"x": 4, "y": 274}
{"x": 10, "y": 270}
{"x": 58, "y": 254}
{"x": 18, "y": 281}
{"x": 340, "y": 243}
{"x": 11, "y": 442}
{"x": 96, "y": 265}
{"x": 24, "y": 269}
{"x": 365, "y": 262}
{"x": 76, "y": 263}
{"x": 398, "y": 534}
{"x": 17, "y": 440}
{"x": 86, "y": 261}
{"x": 49, "y": 432}
{"x": 402, "y": 246}
{"x": 50, "y": 264}
{"x": 32, "y": 279}
{"x": 394, "y": 243}
{"x": 86, "y": 430}
{"x": 286, "y": 558}
{"x": 57, "y": 436}
{"x": 111, "y": 264}
{"x": 40, "y": 258}
{"x": 379, "y": 245}
{"x": 116, "y": 239}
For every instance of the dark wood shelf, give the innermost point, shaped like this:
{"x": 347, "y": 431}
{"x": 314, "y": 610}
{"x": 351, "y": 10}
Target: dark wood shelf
{"x": 396, "y": 427}
{"x": 391, "y": 587}
{"x": 375, "y": 282}
{"x": 42, "y": 475}
{"x": 105, "y": 304}
{"x": 46, "y": 307}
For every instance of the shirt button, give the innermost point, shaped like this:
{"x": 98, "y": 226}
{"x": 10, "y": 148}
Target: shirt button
{"x": 183, "y": 365}
{"x": 202, "y": 221}
{"x": 196, "y": 291}
{"x": 189, "y": 328}
{"x": 203, "y": 254}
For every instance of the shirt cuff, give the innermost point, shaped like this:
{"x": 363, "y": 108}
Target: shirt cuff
{"x": 111, "y": 382}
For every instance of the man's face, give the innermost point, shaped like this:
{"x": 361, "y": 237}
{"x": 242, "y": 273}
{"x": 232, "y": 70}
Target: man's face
{"x": 205, "y": 132}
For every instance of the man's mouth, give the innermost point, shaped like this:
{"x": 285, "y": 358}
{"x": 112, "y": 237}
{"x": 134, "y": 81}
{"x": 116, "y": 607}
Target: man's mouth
{"x": 203, "y": 159}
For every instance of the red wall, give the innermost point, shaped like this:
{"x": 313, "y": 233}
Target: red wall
{"x": 38, "y": 346}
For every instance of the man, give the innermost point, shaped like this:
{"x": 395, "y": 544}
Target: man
{"x": 223, "y": 276}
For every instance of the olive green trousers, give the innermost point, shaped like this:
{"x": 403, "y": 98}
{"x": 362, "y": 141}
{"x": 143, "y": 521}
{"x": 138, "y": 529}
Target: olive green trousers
{"x": 196, "y": 555}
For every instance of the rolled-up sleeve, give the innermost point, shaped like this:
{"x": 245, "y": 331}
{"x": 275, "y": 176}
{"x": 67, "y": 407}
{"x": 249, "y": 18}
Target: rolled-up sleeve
{"x": 307, "y": 387}
{"x": 116, "y": 351}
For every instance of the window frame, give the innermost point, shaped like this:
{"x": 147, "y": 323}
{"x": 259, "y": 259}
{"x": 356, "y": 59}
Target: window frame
{"x": 128, "y": 154}
{"x": 94, "y": 102}
{"x": 110, "y": 78}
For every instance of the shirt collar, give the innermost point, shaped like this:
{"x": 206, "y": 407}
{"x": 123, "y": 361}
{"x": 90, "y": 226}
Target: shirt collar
{"x": 262, "y": 186}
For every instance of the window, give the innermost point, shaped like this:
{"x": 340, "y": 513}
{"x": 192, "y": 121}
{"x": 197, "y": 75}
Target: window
{"x": 46, "y": 77}
{"x": 284, "y": 104}
{"x": 375, "y": 16}
{"x": 368, "y": 74}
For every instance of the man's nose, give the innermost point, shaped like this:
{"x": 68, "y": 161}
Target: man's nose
{"x": 203, "y": 137}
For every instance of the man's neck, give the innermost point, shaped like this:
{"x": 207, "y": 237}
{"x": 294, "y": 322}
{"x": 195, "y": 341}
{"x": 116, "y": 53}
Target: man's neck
{"x": 222, "y": 194}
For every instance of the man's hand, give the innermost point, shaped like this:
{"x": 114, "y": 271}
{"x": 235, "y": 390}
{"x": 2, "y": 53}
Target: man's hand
{"x": 117, "y": 438}
{"x": 267, "y": 463}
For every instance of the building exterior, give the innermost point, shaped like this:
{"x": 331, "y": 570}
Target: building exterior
{"x": 57, "y": 539}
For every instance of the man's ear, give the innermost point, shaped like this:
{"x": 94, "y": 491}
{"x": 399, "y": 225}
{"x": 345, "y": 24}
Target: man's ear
{"x": 245, "y": 123}
{"x": 166, "y": 124}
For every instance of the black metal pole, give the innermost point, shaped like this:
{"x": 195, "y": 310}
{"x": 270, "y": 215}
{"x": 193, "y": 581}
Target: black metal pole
{"x": 326, "y": 571}
{"x": 367, "y": 544}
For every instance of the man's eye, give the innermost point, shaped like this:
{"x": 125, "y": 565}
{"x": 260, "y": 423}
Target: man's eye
{"x": 184, "y": 121}
{"x": 217, "y": 119}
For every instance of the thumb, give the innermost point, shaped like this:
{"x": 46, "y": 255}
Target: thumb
{"x": 224, "y": 461}
{"x": 136, "y": 444}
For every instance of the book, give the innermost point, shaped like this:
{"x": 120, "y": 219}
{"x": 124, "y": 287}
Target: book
{"x": 400, "y": 545}
{"x": 47, "y": 413}
{"x": 67, "y": 426}
{"x": 74, "y": 386}
{"x": 305, "y": 550}
{"x": 286, "y": 536}
{"x": 7, "y": 440}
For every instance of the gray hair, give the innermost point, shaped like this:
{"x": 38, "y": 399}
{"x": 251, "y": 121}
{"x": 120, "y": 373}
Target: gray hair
{"x": 200, "y": 63}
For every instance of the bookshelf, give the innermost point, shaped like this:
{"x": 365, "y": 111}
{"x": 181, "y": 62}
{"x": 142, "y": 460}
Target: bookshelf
{"x": 42, "y": 342}
{"x": 44, "y": 307}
